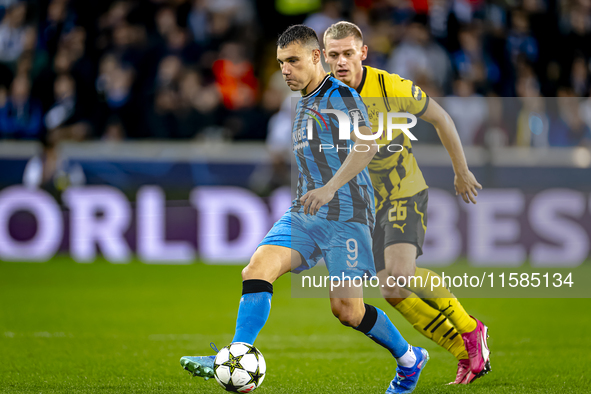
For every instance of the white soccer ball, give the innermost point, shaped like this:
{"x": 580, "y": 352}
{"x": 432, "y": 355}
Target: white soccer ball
{"x": 239, "y": 367}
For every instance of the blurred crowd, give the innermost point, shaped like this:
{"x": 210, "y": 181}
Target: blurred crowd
{"x": 206, "y": 69}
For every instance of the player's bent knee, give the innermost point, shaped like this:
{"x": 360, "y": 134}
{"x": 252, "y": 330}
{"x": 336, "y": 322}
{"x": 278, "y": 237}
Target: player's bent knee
{"x": 350, "y": 319}
{"x": 392, "y": 292}
{"x": 400, "y": 260}
{"x": 400, "y": 277}
{"x": 389, "y": 288}
{"x": 267, "y": 264}
{"x": 347, "y": 314}
{"x": 255, "y": 269}
{"x": 245, "y": 273}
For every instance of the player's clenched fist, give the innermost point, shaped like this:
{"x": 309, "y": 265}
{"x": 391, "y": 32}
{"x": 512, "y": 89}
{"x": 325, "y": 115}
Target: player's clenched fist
{"x": 315, "y": 199}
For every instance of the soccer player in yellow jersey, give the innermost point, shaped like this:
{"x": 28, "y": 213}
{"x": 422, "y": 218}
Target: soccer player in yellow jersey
{"x": 401, "y": 201}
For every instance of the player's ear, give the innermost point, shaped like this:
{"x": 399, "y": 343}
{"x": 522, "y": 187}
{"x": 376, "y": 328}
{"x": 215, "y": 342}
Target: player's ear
{"x": 364, "y": 50}
{"x": 316, "y": 55}
{"x": 324, "y": 53}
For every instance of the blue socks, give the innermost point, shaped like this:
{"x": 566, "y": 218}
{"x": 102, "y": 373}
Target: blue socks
{"x": 255, "y": 306}
{"x": 377, "y": 326}
{"x": 253, "y": 311}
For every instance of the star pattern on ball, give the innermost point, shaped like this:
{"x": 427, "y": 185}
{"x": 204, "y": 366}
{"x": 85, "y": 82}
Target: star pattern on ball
{"x": 239, "y": 368}
{"x": 255, "y": 377}
{"x": 233, "y": 363}
{"x": 230, "y": 387}
{"x": 252, "y": 350}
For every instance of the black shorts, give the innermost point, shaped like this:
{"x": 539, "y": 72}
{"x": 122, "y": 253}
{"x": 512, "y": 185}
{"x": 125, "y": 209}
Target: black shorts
{"x": 400, "y": 221}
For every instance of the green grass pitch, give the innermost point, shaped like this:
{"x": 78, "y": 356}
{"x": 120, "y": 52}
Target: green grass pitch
{"x": 107, "y": 328}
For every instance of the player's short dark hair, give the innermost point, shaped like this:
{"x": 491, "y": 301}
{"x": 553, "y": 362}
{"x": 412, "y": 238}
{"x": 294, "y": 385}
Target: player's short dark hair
{"x": 300, "y": 34}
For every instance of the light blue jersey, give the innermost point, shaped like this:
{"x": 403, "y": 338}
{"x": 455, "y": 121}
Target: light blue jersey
{"x": 340, "y": 232}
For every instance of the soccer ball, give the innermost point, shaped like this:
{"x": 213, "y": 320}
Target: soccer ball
{"x": 239, "y": 367}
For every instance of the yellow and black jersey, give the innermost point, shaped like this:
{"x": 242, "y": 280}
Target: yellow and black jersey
{"x": 394, "y": 174}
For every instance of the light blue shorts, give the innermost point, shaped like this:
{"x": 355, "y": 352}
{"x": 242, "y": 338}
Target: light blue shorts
{"x": 345, "y": 246}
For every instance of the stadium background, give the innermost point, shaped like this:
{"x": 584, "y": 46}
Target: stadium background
{"x": 156, "y": 133}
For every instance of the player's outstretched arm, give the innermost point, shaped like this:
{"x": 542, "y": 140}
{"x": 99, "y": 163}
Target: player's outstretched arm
{"x": 353, "y": 165}
{"x": 464, "y": 181}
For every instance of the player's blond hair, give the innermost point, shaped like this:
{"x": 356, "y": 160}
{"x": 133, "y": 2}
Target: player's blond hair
{"x": 343, "y": 29}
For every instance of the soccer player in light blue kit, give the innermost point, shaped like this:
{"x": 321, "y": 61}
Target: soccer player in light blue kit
{"x": 333, "y": 213}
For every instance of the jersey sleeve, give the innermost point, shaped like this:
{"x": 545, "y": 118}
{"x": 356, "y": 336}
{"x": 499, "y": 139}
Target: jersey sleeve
{"x": 348, "y": 101}
{"x": 409, "y": 97}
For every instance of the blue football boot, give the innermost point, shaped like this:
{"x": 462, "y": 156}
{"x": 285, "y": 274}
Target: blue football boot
{"x": 201, "y": 366}
{"x": 406, "y": 378}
